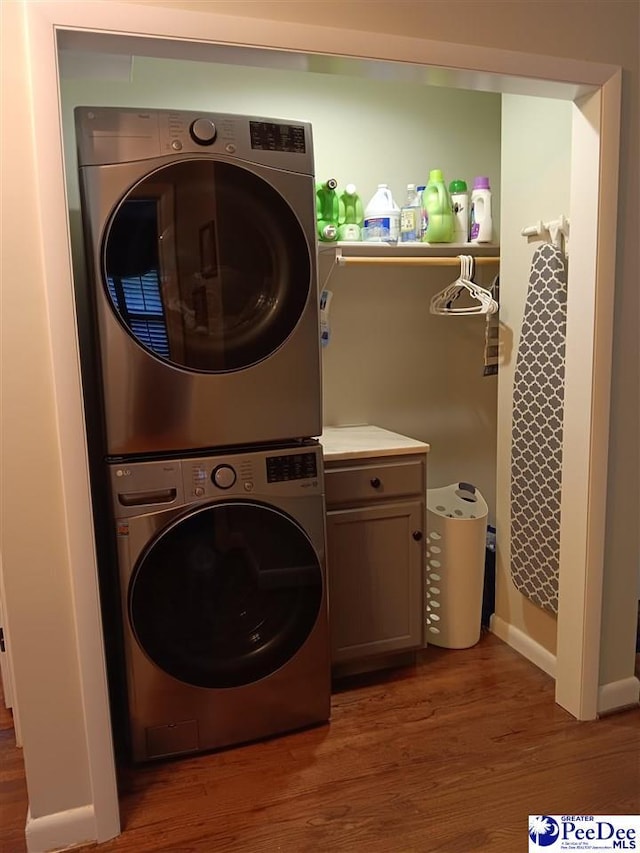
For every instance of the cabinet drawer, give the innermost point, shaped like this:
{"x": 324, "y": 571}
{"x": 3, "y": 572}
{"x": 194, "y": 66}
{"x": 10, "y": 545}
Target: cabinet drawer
{"x": 355, "y": 483}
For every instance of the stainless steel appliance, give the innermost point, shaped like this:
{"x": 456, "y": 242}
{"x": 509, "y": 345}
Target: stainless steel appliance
{"x": 200, "y": 235}
{"x": 224, "y": 599}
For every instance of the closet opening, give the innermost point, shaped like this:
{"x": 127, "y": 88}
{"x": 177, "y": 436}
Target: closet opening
{"x": 406, "y": 388}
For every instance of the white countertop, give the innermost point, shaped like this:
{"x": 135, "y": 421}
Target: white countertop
{"x": 351, "y": 442}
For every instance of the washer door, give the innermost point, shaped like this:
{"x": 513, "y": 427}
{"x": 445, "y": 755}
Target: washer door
{"x": 206, "y": 266}
{"x": 226, "y": 595}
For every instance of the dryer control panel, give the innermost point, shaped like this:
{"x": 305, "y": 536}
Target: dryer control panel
{"x": 112, "y": 135}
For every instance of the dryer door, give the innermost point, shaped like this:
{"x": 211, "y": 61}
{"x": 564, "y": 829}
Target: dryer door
{"x": 206, "y": 265}
{"x": 226, "y": 595}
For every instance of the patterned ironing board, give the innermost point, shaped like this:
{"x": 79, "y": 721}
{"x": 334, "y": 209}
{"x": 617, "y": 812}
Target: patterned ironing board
{"x": 536, "y": 442}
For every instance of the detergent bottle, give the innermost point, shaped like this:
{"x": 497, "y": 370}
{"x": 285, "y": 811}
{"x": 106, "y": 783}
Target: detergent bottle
{"x": 351, "y": 215}
{"x": 460, "y": 206}
{"x": 327, "y": 210}
{"x": 481, "y": 220}
{"x": 437, "y": 205}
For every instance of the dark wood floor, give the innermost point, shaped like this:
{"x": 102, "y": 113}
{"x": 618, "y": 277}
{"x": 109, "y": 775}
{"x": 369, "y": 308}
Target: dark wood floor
{"x": 448, "y": 756}
{"x": 13, "y": 789}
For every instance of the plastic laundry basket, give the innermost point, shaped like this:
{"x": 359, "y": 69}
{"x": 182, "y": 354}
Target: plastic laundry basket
{"x": 455, "y": 552}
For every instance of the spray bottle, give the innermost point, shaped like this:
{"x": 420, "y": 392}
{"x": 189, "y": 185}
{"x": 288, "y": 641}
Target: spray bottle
{"x": 327, "y": 211}
{"x": 351, "y": 215}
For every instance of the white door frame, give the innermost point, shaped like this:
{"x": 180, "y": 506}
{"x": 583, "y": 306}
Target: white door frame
{"x": 595, "y": 89}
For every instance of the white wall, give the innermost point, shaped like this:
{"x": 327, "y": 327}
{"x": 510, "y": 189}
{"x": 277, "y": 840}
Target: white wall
{"x": 536, "y": 162}
{"x": 35, "y": 553}
{"x": 390, "y": 362}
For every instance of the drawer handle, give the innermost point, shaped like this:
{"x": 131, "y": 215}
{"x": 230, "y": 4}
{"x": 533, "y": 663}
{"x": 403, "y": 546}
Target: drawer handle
{"x": 375, "y": 482}
{"x": 417, "y": 535}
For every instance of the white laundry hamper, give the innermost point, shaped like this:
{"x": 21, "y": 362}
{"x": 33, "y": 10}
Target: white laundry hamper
{"x": 455, "y": 555}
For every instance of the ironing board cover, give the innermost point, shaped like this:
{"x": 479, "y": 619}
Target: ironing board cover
{"x": 536, "y": 438}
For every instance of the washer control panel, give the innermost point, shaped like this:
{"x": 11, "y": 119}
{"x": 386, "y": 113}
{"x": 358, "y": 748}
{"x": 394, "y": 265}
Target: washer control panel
{"x": 292, "y": 466}
{"x": 278, "y": 472}
{"x": 150, "y": 486}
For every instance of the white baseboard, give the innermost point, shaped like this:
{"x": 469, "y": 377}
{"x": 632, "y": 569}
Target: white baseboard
{"x": 617, "y": 695}
{"x": 61, "y": 830}
{"x": 523, "y": 644}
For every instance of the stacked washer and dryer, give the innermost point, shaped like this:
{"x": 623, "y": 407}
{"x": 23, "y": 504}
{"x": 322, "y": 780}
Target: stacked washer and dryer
{"x": 201, "y": 256}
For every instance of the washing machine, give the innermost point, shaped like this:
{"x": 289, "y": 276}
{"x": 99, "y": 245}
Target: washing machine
{"x": 202, "y": 273}
{"x": 224, "y": 597}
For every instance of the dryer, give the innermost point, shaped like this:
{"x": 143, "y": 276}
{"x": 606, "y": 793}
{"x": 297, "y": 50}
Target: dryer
{"x": 224, "y": 597}
{"x": 202, "y": 270}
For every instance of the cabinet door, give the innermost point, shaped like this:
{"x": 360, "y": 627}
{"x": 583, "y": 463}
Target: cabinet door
{"x": 376, "y": 570}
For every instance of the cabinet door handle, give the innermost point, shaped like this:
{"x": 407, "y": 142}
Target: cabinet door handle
{"x": 375, "y": 482}
{"x": 417, "y": 535}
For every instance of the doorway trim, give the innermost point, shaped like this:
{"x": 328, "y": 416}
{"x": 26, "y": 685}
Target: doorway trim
{"x": 595, "y": 90}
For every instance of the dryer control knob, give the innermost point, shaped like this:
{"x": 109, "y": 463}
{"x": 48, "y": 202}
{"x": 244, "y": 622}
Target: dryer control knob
{"x": 203, "y": 131}
{"x": 223, "y": 476}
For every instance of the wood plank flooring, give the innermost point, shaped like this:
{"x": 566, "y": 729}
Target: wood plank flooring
{"x": 448, "y": 756}
{"x": 13, "y": 788}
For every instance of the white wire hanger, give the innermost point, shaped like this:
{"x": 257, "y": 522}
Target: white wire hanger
{"x": 484, "y": 303}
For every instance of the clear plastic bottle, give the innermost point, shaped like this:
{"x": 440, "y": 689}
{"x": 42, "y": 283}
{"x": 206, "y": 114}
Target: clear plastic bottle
{"x": 423, "y": 213}
{"x": 411, "y": 217}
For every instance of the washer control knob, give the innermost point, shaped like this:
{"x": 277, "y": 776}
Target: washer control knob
{"x": 223, "y": 476}
{"x": 198, "y": 491}
{"x": 203, "y": 131}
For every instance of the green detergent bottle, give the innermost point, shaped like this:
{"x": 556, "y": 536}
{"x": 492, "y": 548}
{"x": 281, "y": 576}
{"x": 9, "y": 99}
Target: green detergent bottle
{"x": 351, "y": 215}
{"x": 436, "y": 202}
{"x": 327, "y": 211}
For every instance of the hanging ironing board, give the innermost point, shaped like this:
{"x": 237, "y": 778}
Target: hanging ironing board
{"x": 536, "y": 444}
